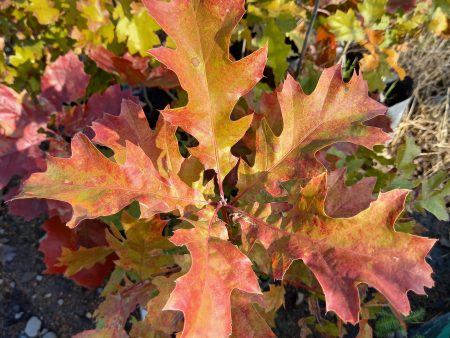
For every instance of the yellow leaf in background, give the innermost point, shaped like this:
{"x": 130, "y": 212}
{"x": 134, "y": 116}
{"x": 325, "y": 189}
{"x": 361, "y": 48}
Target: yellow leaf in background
{"x": 26, "y": 53}
{"x": 95, "y": 12}
{"x": 122, "y": 23}
{"x": 345, "y": 26}
{"x": 122, "y": 29}
{"x": 372, "y": 10}
{"x": 138, "y": 30}
{"x": 438, "y": 22}
{"x": 43, "y": 10}
{"x": 274, "y": 8}
{"x": 392, "y": 59}
{"x": 369, "y": 62}
{"x": 141, "y": 33}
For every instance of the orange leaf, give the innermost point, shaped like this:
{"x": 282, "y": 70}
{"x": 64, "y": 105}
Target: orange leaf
{"x": 247, "y": 322}
{"x": 160, "y": 145}
{"x": 218, "y": 267}
{"x": 334, "y": 112}
{"x": 95, "y": 186}
{"x": 214, "y": 83}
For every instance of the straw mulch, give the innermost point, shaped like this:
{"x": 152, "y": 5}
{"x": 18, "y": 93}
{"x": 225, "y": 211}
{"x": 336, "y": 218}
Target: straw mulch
{"x": 427, "y": 62}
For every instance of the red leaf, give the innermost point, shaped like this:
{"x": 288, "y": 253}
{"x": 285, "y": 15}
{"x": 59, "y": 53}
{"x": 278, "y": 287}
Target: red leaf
{"x": 201, "y": 61}
{"x": 117, "y": 307}
{"x": 98, "y": 104}
{"x": 247, "y": 322}
{"x": 90, "y": 233}
{"x": 347, "y": 201}
{"x": 132, "y": 70}
{"x": 96, "y": 186}
{"x": 163, "y": 78}
{"x": 343, "y": 252}
{"x": 286, "y": 148}
{"x": 64, "y": 80}
{"x": 19, "y": 138}
{"x": 32, "y": 208}
{"x": 160, "y": 145}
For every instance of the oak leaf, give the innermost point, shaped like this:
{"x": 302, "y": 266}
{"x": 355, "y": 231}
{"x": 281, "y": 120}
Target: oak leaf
{"x": 142, "y": 248}
{"x": 83, "y": 258}
{"x": 20, "y": 123}
{"x": 160, "y": 145}
{"x": 343, "y": 252}
{"x": 218, "y": 267}
{"x": 158, "y": 322}
{"x": 131, "y": 69}
{"x": 304, "y": 124}
{"x": 117, "y": 307}
{"x": 213, "y": 82}
{"x": 81, "y": 116}
{"x": 247, "y": 321}
{"x": 109, "y": 186}
{"x": 347, "y": 201}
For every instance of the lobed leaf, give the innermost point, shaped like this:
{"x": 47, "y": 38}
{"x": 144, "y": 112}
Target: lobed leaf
{"x": 95, "y": 186}
{"x": 159, "y": 322}
{"x": 213, "y": 82}
{"x": 298, "y": 125}
{"x": 343, "y": 252}
{"x": 19, "y": 137}
{"x": 83, "y": 258}
{"x": 77, "y": 119}
{"x": 347, "y": 201}
{"x": 142, "y": 248}
{"x": 117, "y": 307}
{"x": 160, "y": 145}
{"x": 247, "y": 322}
{"x": 218, "y": 267}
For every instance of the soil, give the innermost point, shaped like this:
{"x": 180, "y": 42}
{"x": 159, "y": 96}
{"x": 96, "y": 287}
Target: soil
{"x": 66, "y": 308}
{"x": 61, "y": 305}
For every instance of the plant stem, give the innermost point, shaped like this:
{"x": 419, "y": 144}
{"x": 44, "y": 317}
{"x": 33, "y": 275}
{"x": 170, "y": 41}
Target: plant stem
{"x": 305, "y": 42}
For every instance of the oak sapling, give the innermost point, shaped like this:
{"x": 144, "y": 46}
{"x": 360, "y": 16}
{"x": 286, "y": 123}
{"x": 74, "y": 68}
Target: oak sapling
{"x": 280, "y": 201}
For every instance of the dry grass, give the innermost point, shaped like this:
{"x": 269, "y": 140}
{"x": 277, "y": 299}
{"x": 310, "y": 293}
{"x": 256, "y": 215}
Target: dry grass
{"x": 427, "y": 61}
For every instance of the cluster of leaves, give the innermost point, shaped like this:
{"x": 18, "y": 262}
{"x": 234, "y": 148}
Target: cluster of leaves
{"x": 223, "y": 196}
{"x": 35, "y": 32}
{"x": 32, "y": 128}
{"x": 372, "y": 31}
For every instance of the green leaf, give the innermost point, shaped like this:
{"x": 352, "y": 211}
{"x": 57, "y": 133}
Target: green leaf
{"x": 345, "y": 26}
{"x": 406, "y": 154}
{"x": 278, "y": 50}
{"x": 432, "y": 198}
{"x": 372, "y": 10}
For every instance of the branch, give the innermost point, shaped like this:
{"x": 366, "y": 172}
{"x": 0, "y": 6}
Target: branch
{"x": 305, "y": 42}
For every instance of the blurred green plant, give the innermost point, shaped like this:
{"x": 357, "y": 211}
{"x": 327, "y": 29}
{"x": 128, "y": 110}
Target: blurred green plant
{"x": 397, "y": 172}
